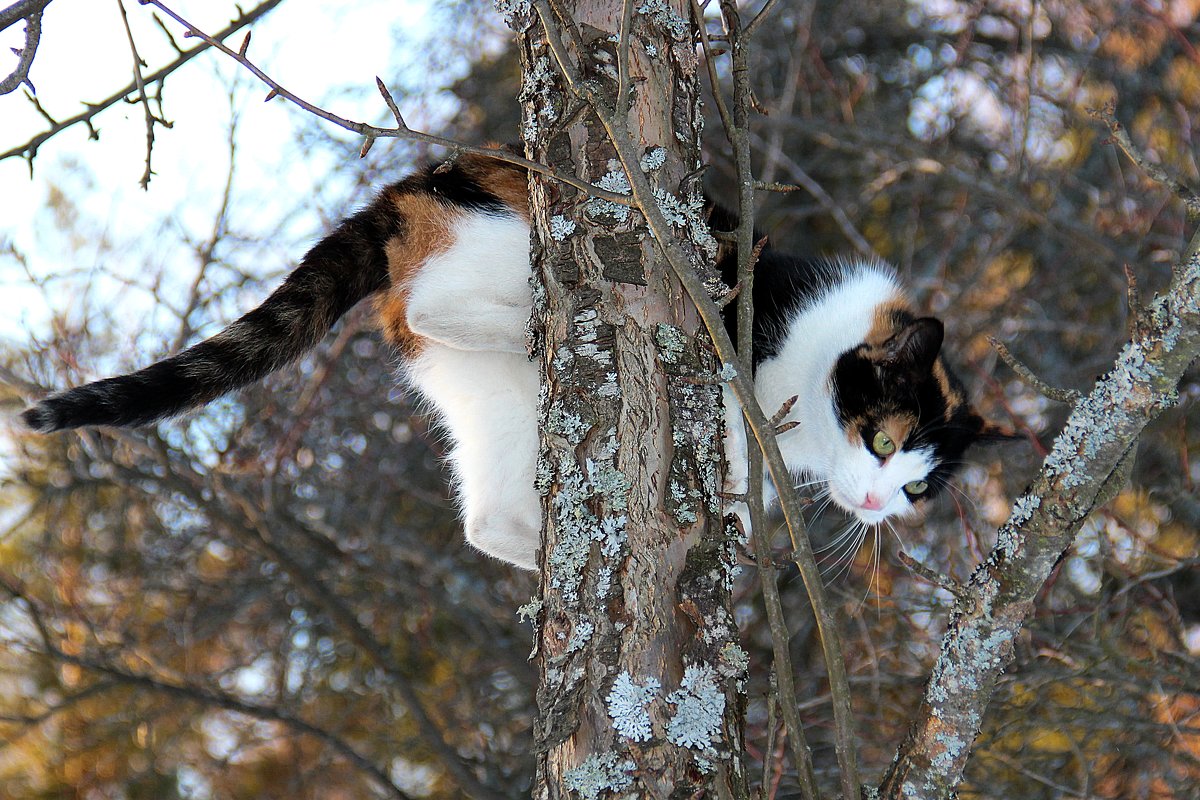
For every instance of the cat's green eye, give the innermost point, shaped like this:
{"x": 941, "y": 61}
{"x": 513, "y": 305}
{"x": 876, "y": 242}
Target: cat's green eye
{"x": 882, "y": 444}
{"x": 916, "y": 487}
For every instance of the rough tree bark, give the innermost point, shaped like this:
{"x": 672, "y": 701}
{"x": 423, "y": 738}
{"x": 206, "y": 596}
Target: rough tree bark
{"x": 639, "y": 662}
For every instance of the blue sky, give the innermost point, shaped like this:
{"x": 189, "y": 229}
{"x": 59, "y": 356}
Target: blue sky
{"x": 328, "y": 53}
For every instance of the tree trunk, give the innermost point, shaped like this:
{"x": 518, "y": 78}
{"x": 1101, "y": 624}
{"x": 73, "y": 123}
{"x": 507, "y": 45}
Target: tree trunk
{"x": 640, "y": 670}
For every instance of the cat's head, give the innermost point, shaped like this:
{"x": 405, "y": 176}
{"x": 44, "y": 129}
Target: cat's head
{"x": 904, "y": 418}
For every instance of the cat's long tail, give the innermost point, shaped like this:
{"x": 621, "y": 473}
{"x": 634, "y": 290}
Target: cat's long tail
{"x": 342, "y": 269}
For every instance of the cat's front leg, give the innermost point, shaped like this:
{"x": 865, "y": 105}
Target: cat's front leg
{"x": 737, "y": 480}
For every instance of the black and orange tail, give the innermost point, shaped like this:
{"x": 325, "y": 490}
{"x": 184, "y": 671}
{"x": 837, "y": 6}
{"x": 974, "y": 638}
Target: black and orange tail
{"x": 342, "y": 269}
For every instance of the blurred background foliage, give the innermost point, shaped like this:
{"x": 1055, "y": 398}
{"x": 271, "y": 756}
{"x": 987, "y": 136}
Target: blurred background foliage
{"x": 248, "y": 602}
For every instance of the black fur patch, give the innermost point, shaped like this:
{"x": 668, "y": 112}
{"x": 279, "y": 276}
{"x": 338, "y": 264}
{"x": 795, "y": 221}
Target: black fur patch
{"x": 781, "y": 285}
{"x": 455, "y": 186}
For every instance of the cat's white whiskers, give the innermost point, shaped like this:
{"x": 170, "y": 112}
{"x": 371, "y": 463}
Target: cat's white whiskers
{"x": 851, "y": 550}
{"x": 958, "y": 491}
{"x": 896, "y": 533}
{"x": 837, "y": 540}
{"x": 842, "y": 557}
{"x": 825, "y": 501}
{"x": 873, "y": 574}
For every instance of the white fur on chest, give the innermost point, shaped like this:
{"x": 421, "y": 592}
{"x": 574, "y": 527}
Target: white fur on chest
{"x": 471, "y": 304}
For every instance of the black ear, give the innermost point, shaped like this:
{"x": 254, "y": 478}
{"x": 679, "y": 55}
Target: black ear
{"x": 914, "y": 347}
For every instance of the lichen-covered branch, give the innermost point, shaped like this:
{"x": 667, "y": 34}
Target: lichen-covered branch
{"x": 1083, "y": 471}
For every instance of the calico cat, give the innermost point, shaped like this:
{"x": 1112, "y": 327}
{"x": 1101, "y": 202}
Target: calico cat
{"x": 444, "y": 254}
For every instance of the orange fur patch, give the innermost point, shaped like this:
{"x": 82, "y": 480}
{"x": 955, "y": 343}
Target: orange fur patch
{"x": 425, "y": 225}
{"x": 898, "y": 427}
{"x": 954, "y": 398}
{"x": 883, "y": 324}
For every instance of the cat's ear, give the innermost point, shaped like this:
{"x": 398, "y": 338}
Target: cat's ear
{"x": 915, "y": 346}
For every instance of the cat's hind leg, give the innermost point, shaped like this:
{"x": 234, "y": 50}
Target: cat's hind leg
{"x": 488, "y": 404}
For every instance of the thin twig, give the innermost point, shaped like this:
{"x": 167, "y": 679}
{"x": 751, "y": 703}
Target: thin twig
{"x": 711, "y": 66}
{"x": 776, "y": 186}
{"x": 1191, "y": 200}
{"x": 1068, "y": 396}
{"x": 30, "y": 148}
{"x": 402, "y": 131}
{"x": 930, "y": 575}
{"x": 20, "y": 10}
{"x": 752, "y": 27}
{"x": 840, "y": 217}
{"x": 768, "y": 760}
{"x": 784, "y": 409}
{"x": 391, "y": 104}
{"x": 748, "y": 252}
{"x": 140, "y": 82}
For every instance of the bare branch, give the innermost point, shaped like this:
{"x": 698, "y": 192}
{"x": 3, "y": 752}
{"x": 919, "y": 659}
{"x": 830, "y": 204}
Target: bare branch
{"x": 1191, "y": 200}
{"x": 140, "y": 82}
{"x": 29, "y": 149}
{"x": 752, "y": 27}
{"x": 391, "y": 103}
{"x": 929, "y": 575}
{"x": 402, "y": 131}
{"x": 775, "y": 186}
{"x": 1068, "y": 396}
{"x": 33, "y": 35}
{"x": 783, "y": 411}
{"x": 711, "y": 66}
{"x": 23, "y": 9}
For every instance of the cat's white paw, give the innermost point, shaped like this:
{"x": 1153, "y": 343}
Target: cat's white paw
{"x": 507, "y": 537}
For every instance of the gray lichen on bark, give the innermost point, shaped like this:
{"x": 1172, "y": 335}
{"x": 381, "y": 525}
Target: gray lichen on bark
{"x": 626, "y": 607}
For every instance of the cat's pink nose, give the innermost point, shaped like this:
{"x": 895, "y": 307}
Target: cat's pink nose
{"x": 872, "y": 502}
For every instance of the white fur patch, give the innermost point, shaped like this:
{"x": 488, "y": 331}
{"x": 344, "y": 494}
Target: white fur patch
{"x": 858, "y": 473}
{"x": 487, "y": 402}
{"x": 475, "y": 295}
